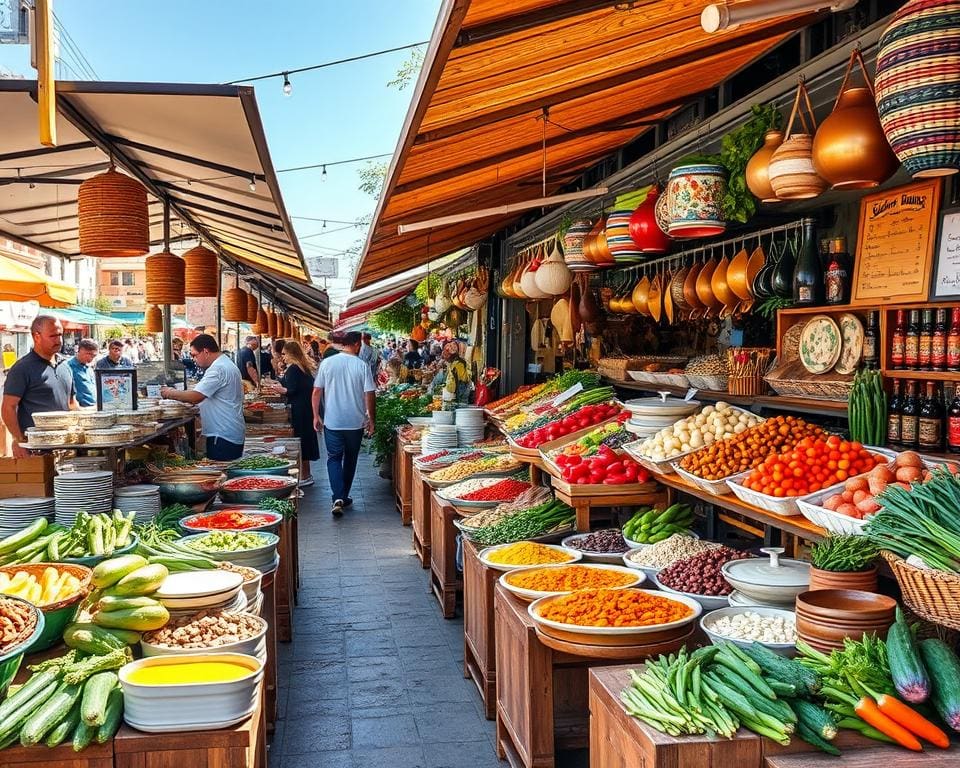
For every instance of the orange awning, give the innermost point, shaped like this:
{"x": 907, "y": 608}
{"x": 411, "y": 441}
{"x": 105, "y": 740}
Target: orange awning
{"x": 18, "y": 282}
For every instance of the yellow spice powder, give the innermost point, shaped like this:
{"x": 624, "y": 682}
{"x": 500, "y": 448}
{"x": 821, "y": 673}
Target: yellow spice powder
{"x": 528, "y": 553}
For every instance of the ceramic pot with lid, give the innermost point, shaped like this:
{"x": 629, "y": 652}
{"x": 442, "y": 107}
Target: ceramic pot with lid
{"x": 775, "y": 579}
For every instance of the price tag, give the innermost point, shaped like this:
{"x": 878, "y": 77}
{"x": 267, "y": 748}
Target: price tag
{"x": 564, "y": 396}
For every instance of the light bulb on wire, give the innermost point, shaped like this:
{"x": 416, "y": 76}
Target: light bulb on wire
{"x": 323, "y": 175}
{"x": 287, "y": 87}
{"x": 253, "y": 184}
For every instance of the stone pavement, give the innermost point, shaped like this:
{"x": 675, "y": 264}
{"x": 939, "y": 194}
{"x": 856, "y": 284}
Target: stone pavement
{"x": 374, "y": 675}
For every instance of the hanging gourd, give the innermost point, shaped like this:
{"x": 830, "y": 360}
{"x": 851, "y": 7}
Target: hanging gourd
{"x": 918, "y": 82}
{"x": 553, "y": 277}
{"x": 235, "y": 305}
{"x": 476, "y": 295}
{"x": 528, "y": 281}
{"x": 113, "y": 216}
{"x": 757, "y": 171}
{"x": 644, "y": 232}
{"x": 850, "y": 150}
{"x": 791, "y": 171}
{"x": 165, "y": 279}
{"x": 153, "y": 319}
{"x": 201, "y": 273}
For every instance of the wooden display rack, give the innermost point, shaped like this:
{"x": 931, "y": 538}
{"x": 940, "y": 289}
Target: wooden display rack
{"x": 269, "y": 614}
{"x": 420, "y": 513}
{"x": 445, "y": 580}
{"x": 584, "y": 498}
{"x": 479, "y": 637}
{"x": 542, "y": 701}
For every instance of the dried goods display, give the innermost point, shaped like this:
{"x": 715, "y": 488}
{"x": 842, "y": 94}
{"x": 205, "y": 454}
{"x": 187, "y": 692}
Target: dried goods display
{"x": 700, "y": 574}
{"x": 528, "y": 553}
{"x": 714, "y": 422}
{"x": 614, "y": 608}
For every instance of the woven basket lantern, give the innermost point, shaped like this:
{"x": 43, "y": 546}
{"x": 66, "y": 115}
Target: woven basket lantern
{"x": 272, "y": 324}
{"x": 252, "y": 306}
{"x": 113, "y": 216}
{"x": 262, "y": 325}
{"x": 165, "y": 279}
{"x": 201, "y": 274}
{"x": 153, "y": 319}
{"x": 287, "y": 328}
{"x": 235, "y": 305}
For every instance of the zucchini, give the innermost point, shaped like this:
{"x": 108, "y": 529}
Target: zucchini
{"x": 37, "y": 682}
{"x": 93, "y": 640}
{"x": 114, "y": 714}
{"x": 64, "y": 728}
{"x": 138, "y": 619}
{"x": 109, "y": 572}
{"x": 815, "y": 718}
{"x": 21, "y": 538}
{"x": 782, "y": 689}
{"x": 806, "y": 680}
{"x": 82, "y": 736}
{"x": 909, "y": 677}
{"x": 49, "y": 714}
{"x": 756, "y": 682}
{"x": 944, "y": 670}
{"x": 113, "y": 603}
{"x": 11, "y": 724}
{"x": 95, "y": 692}
{"x": 815, "y": 740}
{"x": 143, "y": 581}
{"x": 731, "y": 699}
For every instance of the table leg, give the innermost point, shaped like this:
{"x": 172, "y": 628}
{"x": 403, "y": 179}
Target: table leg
{"x": 583, "y": 514}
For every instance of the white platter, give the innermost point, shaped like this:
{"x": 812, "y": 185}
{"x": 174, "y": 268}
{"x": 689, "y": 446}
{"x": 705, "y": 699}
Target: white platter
{"x": 484, "y": 555}
{"x": 533, "y": 594}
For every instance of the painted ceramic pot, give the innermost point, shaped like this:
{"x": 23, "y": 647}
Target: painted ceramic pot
{"x": 646, "y": 235}
{"x": 619, "y": 242}
{"x": 573, "y": 253}
{"x": 695, "y": 201}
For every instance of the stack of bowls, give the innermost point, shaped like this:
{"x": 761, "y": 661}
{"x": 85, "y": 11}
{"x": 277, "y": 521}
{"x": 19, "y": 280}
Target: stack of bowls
{"x": 648, "y": 415}
{"x": 470, "y": 425}
{"x": 142, "y": 500}
{"x": 192, "y": 591}
{"x": 771, "y": 583}
{"x": 826, "y": 616}
{"x": 264, "y": 558}
{"x": 443, "y": 417}
{"x": 438, "y": 437}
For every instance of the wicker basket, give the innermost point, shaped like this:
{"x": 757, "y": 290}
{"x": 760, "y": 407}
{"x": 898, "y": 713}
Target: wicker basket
{"x": 746, "y": 385}
{"x": 165, "y": 279}
{"x": 272, "y": 324}
{"x": 235, "y": 305}
{"x": 932, "y": 595}
{"x": 81, "y": 572}
{"x": 789, "y": 377}
{"x": 201, "y": 273}
{"x": 153, "y": 319}
{"x": 113, "y": 217}
{"x": 710, "y": 383}
{"x": 252, "y": 306}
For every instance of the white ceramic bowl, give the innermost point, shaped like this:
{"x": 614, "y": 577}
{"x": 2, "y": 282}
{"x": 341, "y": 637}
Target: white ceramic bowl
{"x": 640, "y": 545}
{"x": 709, "y": 602}
{"x": 614, "y": 558}
{"x": 484, "y": 557}
{"x": 765, "y": 592}
{"x": 532, "y": 594}
{"x": 190, "y": 706}
{"x": 252, "y": 646}
{"x": 260, "y": 558}
{"x": 650, "y": 571}
{"x": 255, "y": 605}
{"x": 707, "y": 621}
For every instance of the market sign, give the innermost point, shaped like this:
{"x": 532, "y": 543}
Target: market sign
{"x": 18, "y": 314}
{"x": 895, "y": 241}
{"x": 323, "y": 267}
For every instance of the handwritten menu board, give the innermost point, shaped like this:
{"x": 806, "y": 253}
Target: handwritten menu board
{"x": 898, "y": 229}
{"x": 946, "y": 281}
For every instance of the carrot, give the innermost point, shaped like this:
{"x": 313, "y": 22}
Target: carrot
{"x": 912, "y": 720}
{"x": 868, "y": 711}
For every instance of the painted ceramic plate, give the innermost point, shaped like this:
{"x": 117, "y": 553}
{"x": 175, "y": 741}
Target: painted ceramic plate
{"x": 820, "y": 344}
{"x": 851, "y": 347}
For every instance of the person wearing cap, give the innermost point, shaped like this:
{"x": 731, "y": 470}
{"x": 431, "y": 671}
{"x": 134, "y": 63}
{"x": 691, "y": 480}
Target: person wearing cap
{"x": 345, "y": 390}
{"x": 114, "y": 357}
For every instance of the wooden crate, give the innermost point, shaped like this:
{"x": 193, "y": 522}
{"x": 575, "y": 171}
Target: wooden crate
{"x": 479, "y": 637}
{"x": 269, "y": 614}
{"x": 284, "y": 585}
{"x": 445, "y": 580}
{"x": 405, "y": 483}
{"x": 584, "y": 498}
{"x": 94, "y": 756}
{"x": 420, "y": 512}
{"x": 240, "y": 746}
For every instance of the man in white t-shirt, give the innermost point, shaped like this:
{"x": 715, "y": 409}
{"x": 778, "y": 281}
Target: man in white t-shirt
{"x": 220, "y": 397}
{"x": 345, "y": 389}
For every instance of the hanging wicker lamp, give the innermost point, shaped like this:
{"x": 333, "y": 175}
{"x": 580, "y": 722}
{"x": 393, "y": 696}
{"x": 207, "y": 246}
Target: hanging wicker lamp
{"x": 201, "y": 274}
{"x": 165, "y": 279}
{"x": 263, "y": 324}
{"x": 113, "y": 217}
{"x": 235, "y": 305}
{"x": 272, "y": 324}
{"x": 153, "y": 319}
{"x": 252, "y": 306}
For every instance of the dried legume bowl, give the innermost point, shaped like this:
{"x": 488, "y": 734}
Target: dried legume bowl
{"x": 709, "y": 621}
{"x": 168, "y": 641}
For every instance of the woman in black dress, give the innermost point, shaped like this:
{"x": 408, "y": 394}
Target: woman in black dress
{"x": 297, "y": 384}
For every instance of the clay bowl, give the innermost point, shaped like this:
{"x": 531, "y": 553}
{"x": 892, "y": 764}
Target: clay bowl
{"x": 820, "y": 635}
{"x": 655, "y": 299}
{"x": 848, "y": 604}
{"x": 640, "y": 294}
{"x": 863, "y": 581}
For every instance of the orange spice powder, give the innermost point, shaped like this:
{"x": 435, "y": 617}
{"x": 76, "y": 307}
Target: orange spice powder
{"x": 614, "y": 608}
{"x": 568, "y": 578}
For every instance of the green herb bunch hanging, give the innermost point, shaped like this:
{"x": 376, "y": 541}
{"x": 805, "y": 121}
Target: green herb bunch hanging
{"x": 737, "y": 148}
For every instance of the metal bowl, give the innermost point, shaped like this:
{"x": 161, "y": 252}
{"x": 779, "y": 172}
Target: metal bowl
{"x": 198, "y": 488}
{"x": 281, "y": 470}
{"x": 254, "y": 496}
{"x": 11, "y": 658}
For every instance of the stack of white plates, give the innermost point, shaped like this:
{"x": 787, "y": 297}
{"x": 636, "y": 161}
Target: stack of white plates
{"x": 199, "y": 590}
{"x": 470, "y": 425}
{"x": 144, "y": 500}
{"x": 438, "y": 437}
{"x": 90, "y": 492}
{"x": 443, "y": 417}
{"x": 17, "y": 514}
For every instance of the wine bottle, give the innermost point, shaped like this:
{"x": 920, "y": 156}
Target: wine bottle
{"x": 870, "y": 341}
{"x": 930, "y": 422}
{"x": 953, "y": 422}
{"x": 807, "y": 274}
{"x": 898, "y": 341}
{"x": 938, "y": 347}
{"x": 911, "y": 344}
{"x": 910, "y": 418}
{"x": 953, "y": 341}
{"x": 925, "y": 341}
{"x": 893, "y": 415}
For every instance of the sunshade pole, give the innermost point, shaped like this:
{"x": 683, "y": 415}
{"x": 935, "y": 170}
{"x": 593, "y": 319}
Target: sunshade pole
{"x": 167, "y": 320}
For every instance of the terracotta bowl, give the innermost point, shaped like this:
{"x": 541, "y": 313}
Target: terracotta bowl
{"x": 846, "y": 604}
{"x": 814, "y": 632}
{"x": 845, "y": 623}
{"x": 863, "y": 581}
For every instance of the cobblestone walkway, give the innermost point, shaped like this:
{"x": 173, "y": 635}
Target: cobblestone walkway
{"x": 374, "y": 675}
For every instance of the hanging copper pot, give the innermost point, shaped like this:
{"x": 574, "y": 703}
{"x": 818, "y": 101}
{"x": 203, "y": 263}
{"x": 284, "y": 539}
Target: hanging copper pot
{"x": 655, "y": 298}
{"x": 705, "y": 289}
{"x": 668, "y": 308}
{"x": 690, "y": 296}
{"x": 850, "y": 150}
{"x": 757, "y": 171}
{"x": 640, "y": 295}
{"x": 590, "y": 252}
{"x": 602, "y": 249}
{"x": 720, "y": 289}
{"x": 737, "y": 279}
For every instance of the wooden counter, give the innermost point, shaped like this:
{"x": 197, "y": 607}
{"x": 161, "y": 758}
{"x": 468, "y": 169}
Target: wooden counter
{"x": 420, "y": 513}
{"x": 269, "y": 614}
{"x": 284, "y": 587}
{"x": 405, "y": 482}
{"x": 479, "y": 636}
{"x": 445, "y": 579}
{"x": 585, "y": 498}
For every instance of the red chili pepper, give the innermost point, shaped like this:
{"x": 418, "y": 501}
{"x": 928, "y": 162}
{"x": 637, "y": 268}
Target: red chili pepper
{"x": 255, "y": 483}
{"x": 232, "y": 520}
{"x": 502, "y": 491}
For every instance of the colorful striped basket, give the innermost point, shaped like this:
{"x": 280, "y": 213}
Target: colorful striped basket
{"x": 619, "y": 241}
{"x": 573, "y": 246}
{"x": 918, "y": 86}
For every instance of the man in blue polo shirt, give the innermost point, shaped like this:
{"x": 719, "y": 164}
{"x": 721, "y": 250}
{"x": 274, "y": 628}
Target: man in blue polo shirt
{"x": 84, "y": 384}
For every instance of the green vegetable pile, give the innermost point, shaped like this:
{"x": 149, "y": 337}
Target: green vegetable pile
{"x": 393, "y": 410}
{"x": 843, "y": 554}
{"x": 258, "y": 462}
{"x": 90, "y": 535}
{"x": 868, "y": 409}
{"x": 283, "y": 507}
{"x": 527, "y": 523}
{"x": 228, "y": 541}
{"x": 162, "y": 545}
{"x": 171, "y": 515}
{"x": 649, "y": 525}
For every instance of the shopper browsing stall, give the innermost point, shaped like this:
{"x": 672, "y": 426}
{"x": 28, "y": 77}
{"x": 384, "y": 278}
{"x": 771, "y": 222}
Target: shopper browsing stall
{"x": 296, "y": 385}
{"x": 247, "y": 361}
{"x": 84, "y": 383}
{"x": 114, "y": 358}
{"x": 220, "y": 397}
{"x": 457, "y": 384}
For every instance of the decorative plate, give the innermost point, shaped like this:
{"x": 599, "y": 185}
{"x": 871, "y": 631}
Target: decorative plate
{"x": 851, "y": 348}
{"x": 820, "y": 344}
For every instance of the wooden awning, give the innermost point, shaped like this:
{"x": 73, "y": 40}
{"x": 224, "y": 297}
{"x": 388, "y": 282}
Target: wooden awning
{"x": 473, "y": 135}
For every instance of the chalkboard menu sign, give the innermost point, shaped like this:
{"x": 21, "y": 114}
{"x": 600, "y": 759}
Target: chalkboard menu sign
{"x": 946, "y": 276}
{"x": 898, "y": 229}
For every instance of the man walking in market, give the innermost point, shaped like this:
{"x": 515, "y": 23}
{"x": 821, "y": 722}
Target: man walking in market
{"x": 345, "y": 390}
{"x": 84, "y": 383}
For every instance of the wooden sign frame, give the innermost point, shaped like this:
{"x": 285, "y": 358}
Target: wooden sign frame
{"x": 914, "y": 209}
{"x": 949, "y": 229}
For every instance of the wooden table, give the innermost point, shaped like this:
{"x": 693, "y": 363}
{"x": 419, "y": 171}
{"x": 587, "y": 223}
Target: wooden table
{"x": 405, "y": 482}
{"x": 542, "y": 701}
{"x": 445, "y": 580}
{"x": 479, "y": 636}
{"x": 285, "y": 581}
{"x": 585, "y": 498}
{"x": 420, "y": 514}
{"x": 269, "y": 613}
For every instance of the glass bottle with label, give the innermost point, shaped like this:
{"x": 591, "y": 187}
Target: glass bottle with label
{"x": 910, "y": 418}
{"x": 870, "y": 338}
{"x": 930, "y": 424}
{"x": 938, "y": 346}
{"x": 898, "y": 341}
{"x": 925, "y": 341}
{"x": 836, "y": 279}
{"x": 911, "y": 344}
{"x": 808, "y": 273}
{"x": 953, "y": 422}
{"x": 953, "y": 341}
{"x": 893, "y": 414}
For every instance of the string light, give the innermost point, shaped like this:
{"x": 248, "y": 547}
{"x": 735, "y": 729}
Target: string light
{"x": 323, "y": 175}
{"x": 253, "y": 184}
{"x": 287, "y": 87}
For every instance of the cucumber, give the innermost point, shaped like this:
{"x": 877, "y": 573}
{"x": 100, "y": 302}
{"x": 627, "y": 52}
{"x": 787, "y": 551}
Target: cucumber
{"x": 82, "y": 736}
{"x": 94, "y": 702}
{"x": 143, "y": 581}
{"x": 113, "y": 603}
{"x": 103, "y": 635}
{"x": 114, "y": 714}
{"x": 37, "y": 682}
{"x": 22, "y": 538}
{"x": 815, "y": 718}
{"x": 815, "y": 740}
{"x": 51, "y": 712}
{"x": 94, "y": 640}
{"x": 109, "y": 572}
{"x": 756, "y": 682}
{"x": 138, "y": 619}
{"x": 64, "y": 728}
{"x": 909, "y": 677}
{"x": 12, "y": 722}
{"x": 806, "y": 680}
{"x": 944, "y": 670}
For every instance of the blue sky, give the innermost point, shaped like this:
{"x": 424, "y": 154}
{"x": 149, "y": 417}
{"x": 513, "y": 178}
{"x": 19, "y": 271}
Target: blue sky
{"x": 335, "y": 113}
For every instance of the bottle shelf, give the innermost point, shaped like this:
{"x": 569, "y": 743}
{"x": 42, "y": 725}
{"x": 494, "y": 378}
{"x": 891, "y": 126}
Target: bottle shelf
{"x": 909, "y": 375}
